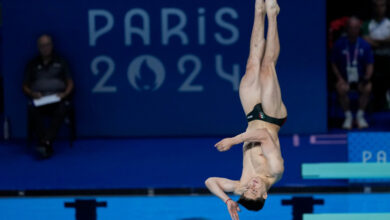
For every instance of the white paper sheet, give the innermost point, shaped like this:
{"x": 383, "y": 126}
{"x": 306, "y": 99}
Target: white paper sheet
{"x": 45, "y": 100}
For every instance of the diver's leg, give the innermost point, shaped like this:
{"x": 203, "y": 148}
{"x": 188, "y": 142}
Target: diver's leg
{"x": 250, "y": 86}
{"x": 270, "y": 89}
{"x": 257, "y": 42}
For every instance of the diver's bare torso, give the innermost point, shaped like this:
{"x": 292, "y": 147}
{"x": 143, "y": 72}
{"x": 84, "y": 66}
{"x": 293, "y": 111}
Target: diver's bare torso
{"x": 255, "y": 164}
{"x": 262, "y": 88}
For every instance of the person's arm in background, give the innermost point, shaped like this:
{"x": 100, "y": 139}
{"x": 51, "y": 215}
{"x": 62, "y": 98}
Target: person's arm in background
{"x": 68, "y": 90}
{"x": 369, "y": 72}
{"x": 335, "y": 55}
{"x": 377, "y": 43}
{"x": 369, "y": 59}
{"x": 69, "y": 82}
{"x": 26, "y": 83}
{"x": 372, "y": 42}
{"x": 366, "y": 35}
{"x": 337, "y": 73}
{"x": 30, "y": 93}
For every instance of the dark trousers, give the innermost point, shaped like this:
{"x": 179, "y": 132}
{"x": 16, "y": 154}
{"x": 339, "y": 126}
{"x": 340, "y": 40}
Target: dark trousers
{"x": 54, "y": 114}
{"x": 379, "y": 89}
{"x": 381, "y": 79}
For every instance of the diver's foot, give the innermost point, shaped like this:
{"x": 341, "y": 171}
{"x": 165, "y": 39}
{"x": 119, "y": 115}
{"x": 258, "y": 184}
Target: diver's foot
{"x": 260, "y": 7}
{"x": 272, "y": 7}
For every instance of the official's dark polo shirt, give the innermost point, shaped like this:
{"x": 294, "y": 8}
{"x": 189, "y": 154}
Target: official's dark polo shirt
{"x": 47, "y": 79}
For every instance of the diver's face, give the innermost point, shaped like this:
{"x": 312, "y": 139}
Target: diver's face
{"x": 256, "y": 188}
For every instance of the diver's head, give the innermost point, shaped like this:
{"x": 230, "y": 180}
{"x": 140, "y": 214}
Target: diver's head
{"x": 255, "y": 194}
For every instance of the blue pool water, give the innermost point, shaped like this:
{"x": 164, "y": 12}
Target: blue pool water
{"x": 185, "y": 207}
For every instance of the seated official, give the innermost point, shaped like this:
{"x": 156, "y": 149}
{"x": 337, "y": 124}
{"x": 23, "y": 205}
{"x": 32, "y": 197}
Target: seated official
{"x": 352, "y": 63}
{"x": 47, "y": 74}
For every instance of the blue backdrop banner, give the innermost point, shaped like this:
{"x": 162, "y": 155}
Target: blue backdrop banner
{"x": 163, "y": 68}
{"x": 369, "y": 147}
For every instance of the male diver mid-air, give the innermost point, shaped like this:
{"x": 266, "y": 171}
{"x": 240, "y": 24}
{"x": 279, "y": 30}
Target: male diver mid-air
{"x": 262, "y": 102}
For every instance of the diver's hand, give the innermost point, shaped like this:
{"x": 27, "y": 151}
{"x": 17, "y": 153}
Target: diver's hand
{"x": 233, "y": 209}
{"x": 225, "y": 144}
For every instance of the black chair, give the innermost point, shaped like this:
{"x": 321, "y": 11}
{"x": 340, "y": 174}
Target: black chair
{"x": 69, "y": 121}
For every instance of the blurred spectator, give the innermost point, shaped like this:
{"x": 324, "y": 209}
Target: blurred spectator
{"x": 47, "y": 74}
{"x": 377, "y": 32}
{"x": 352, "y": 63}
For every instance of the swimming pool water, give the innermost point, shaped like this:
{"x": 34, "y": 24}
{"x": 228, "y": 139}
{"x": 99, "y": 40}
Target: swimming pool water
{"x": 185, "y": 207}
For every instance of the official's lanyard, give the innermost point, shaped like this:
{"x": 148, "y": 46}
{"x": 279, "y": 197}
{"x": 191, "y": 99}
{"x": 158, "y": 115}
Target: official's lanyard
{"x": 356, "y": 55}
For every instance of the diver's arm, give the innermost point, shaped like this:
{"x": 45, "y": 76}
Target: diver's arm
{"x": 219, "y": 187}
{"x": 256, "y": 135}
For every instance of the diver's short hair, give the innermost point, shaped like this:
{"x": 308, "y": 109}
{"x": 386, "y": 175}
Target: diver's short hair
{"x": 252, "y": 204}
